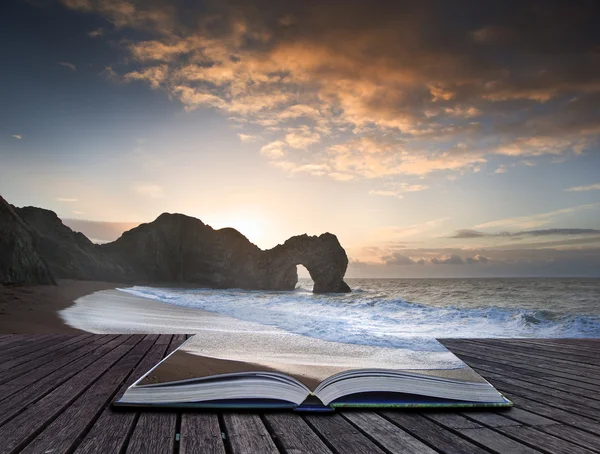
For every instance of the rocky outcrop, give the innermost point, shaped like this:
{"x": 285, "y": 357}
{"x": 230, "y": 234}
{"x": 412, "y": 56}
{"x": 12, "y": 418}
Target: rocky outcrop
{"x": 323, "y": 257}
{"x": 19, "y": 260}
{"x": 178, "y": 249}
{"x": 69, "y": 254}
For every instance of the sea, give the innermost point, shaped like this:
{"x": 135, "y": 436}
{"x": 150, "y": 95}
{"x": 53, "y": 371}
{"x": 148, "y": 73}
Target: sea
{"x": 390, "y": 312}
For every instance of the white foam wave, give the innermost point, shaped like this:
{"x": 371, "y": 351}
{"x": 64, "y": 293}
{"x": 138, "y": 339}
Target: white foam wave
{"x": 374, "y": 317}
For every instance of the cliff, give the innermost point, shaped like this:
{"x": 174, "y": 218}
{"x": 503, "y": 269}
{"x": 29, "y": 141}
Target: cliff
{"x": 178, "y": 249}
{"x": 19, "y": 260}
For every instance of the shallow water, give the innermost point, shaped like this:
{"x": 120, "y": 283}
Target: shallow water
{"x": 392, "y": 312}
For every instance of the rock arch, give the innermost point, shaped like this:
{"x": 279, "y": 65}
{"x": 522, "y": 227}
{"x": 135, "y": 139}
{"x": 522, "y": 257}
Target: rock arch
{"x": 323, "y": 257}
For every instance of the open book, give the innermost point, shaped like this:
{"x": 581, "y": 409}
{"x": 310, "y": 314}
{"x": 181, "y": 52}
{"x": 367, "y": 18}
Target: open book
{"x": 283, "y": 370}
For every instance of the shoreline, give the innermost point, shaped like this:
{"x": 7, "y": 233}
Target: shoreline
{"x": 34, "y": 309}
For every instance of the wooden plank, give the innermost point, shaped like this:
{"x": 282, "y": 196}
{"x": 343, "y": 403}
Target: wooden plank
{"x": 291, "y": 434}
{"x": 573, "y": 435}
{"x": 35, "y": 363}
{"x": 28, "y": 343}
{"x": 543, "y": 441}
{"x": 31, "y": 342}
{"x": 490, "y": 419}
{"x": 200, "y": 433}
{"x": 479, "y": 434}
{"x": 431, "y": 433}
{"x": 470, "y": 353}
{"x": 177, "y": 340}
{"x": 340, "y": 435}
{"x": 578, "y": 351}
{"x": 451, "y": 420}
{"x": 530, "y": 357}
{"x": 534, "y": 375}
{"x": 386, "y": 434}
{"x": 17, "y": 432}
{"x": 10, "y": 340}
{"x": 160, "y": 427}
{"x": 557, "y": 414}
{"x": 559, "y": 399}
{"x": 155, "y": 431}
{"x": 111, "y": 431}
{"x": 543, "y": 354}
{"x": 40, "y": 387}
{"x": 60, "y": 436}
{"x": 544, "y": 385}
{"x": 55, "y": 348}
{"x": 496, "y": 442}
{"x": 527, "y": 417}
{"x": 567, "y": 352}
{"x": 246, "y": 433}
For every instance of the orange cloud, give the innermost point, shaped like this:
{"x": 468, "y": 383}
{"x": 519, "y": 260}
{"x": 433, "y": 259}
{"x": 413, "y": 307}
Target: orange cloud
{"x": 373, "y": 90}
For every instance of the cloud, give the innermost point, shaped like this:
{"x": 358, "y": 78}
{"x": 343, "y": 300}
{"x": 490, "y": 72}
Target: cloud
{"x": 591, "y": 187}
{"x": 467, "y": 234}
{"x": 536, "y": 220}
{"x": 400, "y": 259}
{"x": 398, "y": 190}
{"x": 149, "y": 190}
{"x": 66, "y": 64}
{"x": 477, "y": 259}
{"x": 110, "y": 74}
{"x": 96, "y": 33}
{"x": 302, "y": 137}
{"x": 448, "y": 260}
{"x": 17, "y": 136}
{"x": 500, "y": 169}
{"x": 386, "y": 89}
{"x": 415, "y": 229}
{"x": 246, "y": 137}
{"x": 66, "y": 199}
{"x": 274, "y": 149}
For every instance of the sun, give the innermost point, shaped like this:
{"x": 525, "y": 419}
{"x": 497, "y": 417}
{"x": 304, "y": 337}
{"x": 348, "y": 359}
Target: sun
{"x": 252, "y": 225}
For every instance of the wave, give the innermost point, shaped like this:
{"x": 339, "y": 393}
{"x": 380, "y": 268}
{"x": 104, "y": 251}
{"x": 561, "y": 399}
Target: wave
{"x": 374, "y": 317}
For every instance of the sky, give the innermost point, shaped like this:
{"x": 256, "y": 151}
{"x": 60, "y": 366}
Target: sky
{"x": 434, "y": 138}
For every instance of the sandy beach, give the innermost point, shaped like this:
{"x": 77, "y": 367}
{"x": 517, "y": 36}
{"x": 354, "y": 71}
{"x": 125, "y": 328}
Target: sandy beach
{"x": 29, "y": 309}
{"x": 220, "y": 336}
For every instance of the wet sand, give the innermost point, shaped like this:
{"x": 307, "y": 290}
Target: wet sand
{"x": 26, "y": 309}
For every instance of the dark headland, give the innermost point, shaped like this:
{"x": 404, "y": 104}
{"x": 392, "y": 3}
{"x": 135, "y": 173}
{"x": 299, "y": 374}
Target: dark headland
{"x": 37, "y": 248}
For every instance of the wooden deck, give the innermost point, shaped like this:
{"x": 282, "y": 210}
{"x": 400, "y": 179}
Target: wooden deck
{"x": 55, "y": 394}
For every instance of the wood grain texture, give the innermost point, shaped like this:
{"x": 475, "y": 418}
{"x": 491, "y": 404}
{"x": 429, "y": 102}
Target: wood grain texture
{"x": 391, "y": 437}
{"x": 111, "y": 432}
{"x": 40, "y": 388}
{"x": 56, "y": 390}
{"x": 154, "y": 433}
{"x": 293, "y": 435}
{"x": 431, "y": 433}
{"x": 26, "y": 425}
{"x": 341, "y": 435}
{"x": 544, "y": 441}
{"x": 496, "y": 442}
{"x": 200, "y": 433}
{"x": 62, "y": 434}
{"x": 246, "y": 433}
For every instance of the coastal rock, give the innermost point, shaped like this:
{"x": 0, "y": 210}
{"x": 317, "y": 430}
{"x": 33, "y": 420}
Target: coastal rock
{"x": 181, "y": 249}
{"x": 19, "y": 261}
{"x": 177, "y": 249}
{"x": 68, "y": 254}
{"x": 323, "y": 257}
